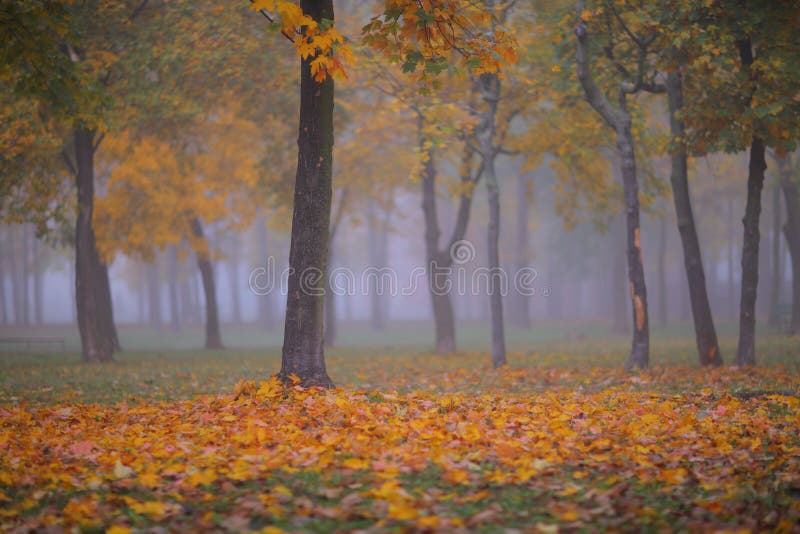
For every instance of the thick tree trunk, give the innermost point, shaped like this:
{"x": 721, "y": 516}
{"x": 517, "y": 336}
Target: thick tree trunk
{"x": 522, "y": 313}
{"x": 213, "y": 336}
{"x": 303, "y": 353}
{"x": 107, "y": 323}
{"x": 662, "y": 270}
{"x": 172, "y": 281}
{"x": 96, "y": 346}
{"x": 791, "y": 231}
{"x": 705, "y": 333}
{"x": 746, "y": 352}
{"x": 640, "y": 345}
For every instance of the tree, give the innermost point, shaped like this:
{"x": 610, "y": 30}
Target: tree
{"x": 619, "y": 119}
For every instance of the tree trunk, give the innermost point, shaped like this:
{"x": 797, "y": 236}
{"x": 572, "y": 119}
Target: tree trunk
{"x": 640, "y": 345}
{"x": 791, "y": 231}
{"x": 705, "y": 333}
{"x": 172, "y": 281}
{"x": 776, "y": 275}
{"x": 24, "y": 274}
{"x": 95, "y": 346}
{"x": 107, "y": 323}
{"x": 490, "y": 92}
{"x": 438, "y": 263}
{"x": 662, "y": 271}
{"x": 303, "y": 353}
{"x": 746, "y": 352}
{"x": 522, "y": 309}
{"x": 213, "y": 336}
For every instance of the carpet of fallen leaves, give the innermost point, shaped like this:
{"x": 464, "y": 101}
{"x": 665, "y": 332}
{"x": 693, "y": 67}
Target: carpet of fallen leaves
{"x": 433, "y": 449}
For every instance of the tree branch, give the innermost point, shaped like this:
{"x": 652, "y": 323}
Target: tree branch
{"x": 593, "y": 94}
{"x": 68, "y": 162}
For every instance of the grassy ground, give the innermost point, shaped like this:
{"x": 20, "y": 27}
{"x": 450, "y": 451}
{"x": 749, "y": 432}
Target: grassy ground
{"x": 561, "y": 440}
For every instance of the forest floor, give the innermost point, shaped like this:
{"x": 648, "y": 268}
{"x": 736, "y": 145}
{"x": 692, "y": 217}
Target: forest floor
{"x": 561, "y": 440}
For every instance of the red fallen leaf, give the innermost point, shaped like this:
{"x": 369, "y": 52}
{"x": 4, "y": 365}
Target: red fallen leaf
{"x": 485, "y": 516}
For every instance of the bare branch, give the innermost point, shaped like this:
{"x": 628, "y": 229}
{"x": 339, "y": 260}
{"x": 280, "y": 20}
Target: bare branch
{"x": 68, "y": 162}
{"x": 593, "y": 94}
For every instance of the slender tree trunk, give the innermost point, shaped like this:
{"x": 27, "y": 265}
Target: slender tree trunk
{"x": 265, "y": 312}
{"x": 662, "y": 271}
{"x": 490, "y": 91}
{"x": 303, "y": 353}
{"x": 775, "y": 279}
{"x": 640, "y": 345}
{"x": 705, "y": 333}
{"x": 522, "y": 310}
{"x": 438, "y": 263}
{"x": 791, "y": 230}
{"x": 746, "y": 352}
{"x": 172, "y": 281}
{"x": 213, "y": 336}
{"x": 233, "y": 264}
{"x": 95, "y": 346}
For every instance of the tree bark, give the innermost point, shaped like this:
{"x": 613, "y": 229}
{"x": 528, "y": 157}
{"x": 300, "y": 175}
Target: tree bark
{"x": 16, "y": 286}
{"x": 620, "y": 120}
{"x": 746, "y": 351}
{"x": 3, "y": 309}
{"x": 107, "y": 323}
{"x": 95, "y": 346}
{"x": 213, "y": 336}
{"x": 303, "y": 352}
{"x": 791, "y": 230}
{"x": 522, "y": 309}
{"x": 24, "y": 274}
{"x": 640, "y": 345}
{"x": 172, "y": 281}
{"x": 490, "y": 92}
{"x": 705, "y": 332}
